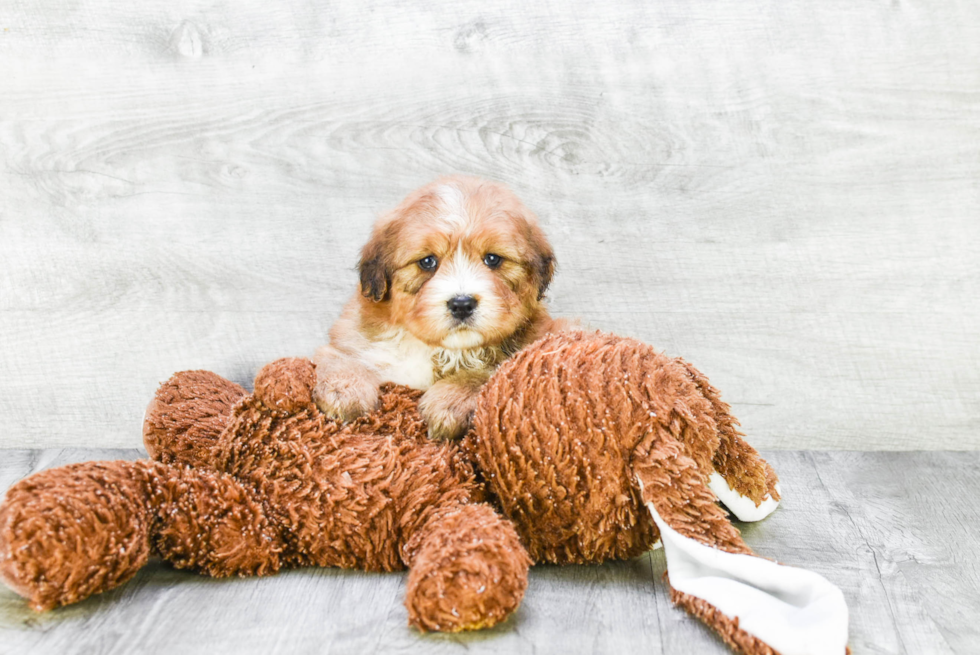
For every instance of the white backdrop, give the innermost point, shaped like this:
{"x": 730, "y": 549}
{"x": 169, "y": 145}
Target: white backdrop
{"x": 785, "y": 193}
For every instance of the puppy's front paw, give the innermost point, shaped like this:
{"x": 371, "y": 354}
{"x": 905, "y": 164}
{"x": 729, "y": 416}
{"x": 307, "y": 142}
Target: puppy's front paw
{"x": 345, "y": 399}
{"x": 447, "y": 409}
{"x": 445, "y": 423}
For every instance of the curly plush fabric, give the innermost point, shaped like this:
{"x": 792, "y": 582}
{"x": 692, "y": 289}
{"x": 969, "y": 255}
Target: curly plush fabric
{"x": 187, "y": 415}
{"x": 585, "y": 442}
{"x": 70, "y": 532}
{"x": 564, "y": 429}
{"x": 278, "y": 485}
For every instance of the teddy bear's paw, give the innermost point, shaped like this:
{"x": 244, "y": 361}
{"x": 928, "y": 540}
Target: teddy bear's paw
{"x": 470, "y": 571}
{"x": 345, "y": 399}
{"x": 286, "y": 384}
{"x": 455, "y": 601}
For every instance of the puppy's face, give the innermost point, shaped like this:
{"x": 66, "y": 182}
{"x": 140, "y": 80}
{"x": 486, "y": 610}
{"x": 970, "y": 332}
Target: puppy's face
{"x": 461, "y": 263}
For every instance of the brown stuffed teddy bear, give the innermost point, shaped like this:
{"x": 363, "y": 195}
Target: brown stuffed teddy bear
{"x": 593, "y": 446}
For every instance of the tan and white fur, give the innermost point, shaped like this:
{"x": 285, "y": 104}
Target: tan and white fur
{"x": 451, "y": 283}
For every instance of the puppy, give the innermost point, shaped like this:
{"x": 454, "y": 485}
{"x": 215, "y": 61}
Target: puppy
{"x": 452, "y": 282}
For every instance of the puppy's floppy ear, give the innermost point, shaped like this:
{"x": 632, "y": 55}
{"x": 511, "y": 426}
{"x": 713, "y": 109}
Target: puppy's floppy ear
{"x": 542, "y": 261}
{"x": 375, "y": 267}
{"x": 544, "y": 267}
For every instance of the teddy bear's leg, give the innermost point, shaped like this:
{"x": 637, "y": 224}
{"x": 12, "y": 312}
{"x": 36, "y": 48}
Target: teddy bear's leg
{"x": 756, "y": 606}
{"x": 187, "y": 415}
{"x": 741, "y": 479}
{"x": 73, "y": 531}
{"x": 77, "y": 530}
{"x": 468, "y": 570}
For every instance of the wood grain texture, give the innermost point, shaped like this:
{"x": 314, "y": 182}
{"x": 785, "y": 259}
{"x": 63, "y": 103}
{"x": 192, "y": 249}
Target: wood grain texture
{"x": 896, "y": 531}
{"x": 785, "y": 194}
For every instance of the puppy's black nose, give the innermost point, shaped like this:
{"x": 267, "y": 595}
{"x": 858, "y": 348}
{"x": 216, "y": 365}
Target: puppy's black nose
{"x": 461, "y": 307}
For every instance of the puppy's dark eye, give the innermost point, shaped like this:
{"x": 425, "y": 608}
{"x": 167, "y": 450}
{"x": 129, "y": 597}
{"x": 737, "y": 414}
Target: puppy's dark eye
{"x": 492, "y": 260}
{"x": 428, "y": 263}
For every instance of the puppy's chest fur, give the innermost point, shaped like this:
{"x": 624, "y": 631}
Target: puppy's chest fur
{"x": 403, "y": 359}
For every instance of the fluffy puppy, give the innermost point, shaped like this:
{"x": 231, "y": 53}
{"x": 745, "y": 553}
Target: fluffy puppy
{"x": 452, "y": 282}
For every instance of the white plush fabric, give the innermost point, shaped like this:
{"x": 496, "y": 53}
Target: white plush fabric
{"x": 741, "y": 506}
{"x": 796, "y": 612}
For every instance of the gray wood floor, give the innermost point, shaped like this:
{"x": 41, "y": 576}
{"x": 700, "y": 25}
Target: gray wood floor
{"x": 898, "y": 532}
{"x": 784, "y": 193}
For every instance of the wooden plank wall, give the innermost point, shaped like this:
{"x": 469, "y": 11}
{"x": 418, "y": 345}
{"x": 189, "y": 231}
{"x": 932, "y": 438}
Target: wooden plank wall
{"x": 785, "y": 193}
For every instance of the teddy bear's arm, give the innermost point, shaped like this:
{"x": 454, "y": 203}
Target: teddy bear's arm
{"x": 468, "y": 569}
{"x": 187, "y": 415}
